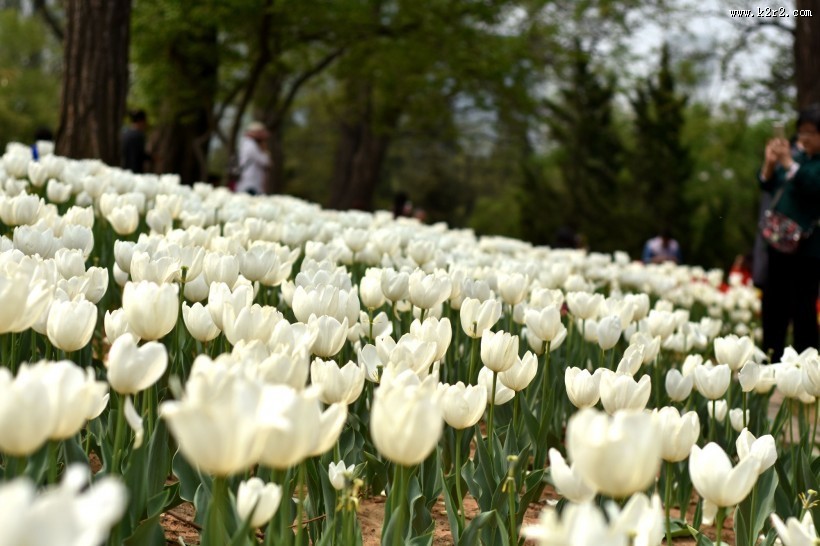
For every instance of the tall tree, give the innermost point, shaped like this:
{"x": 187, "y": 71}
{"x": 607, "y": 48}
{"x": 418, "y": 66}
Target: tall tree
{"x": 806, "y": 48}
{"x": 661, "y": 163}
{"x": 95, "y": 79}
{"x": 591, "y": 154}
{"x": 415, "y": 58}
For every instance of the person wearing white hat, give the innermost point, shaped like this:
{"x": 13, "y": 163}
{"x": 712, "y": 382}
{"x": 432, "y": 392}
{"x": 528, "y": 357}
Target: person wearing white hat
{"x": 254, "y": 159}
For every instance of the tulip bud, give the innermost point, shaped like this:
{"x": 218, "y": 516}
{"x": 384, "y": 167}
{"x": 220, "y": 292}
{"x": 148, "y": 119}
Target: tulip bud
{"x": 71, "y": 324}
{"x": 133, "y": 369}
{"x": 337, "y": 385}
{"x": 583, "y": 388}
{"x": 124, "y": 219}
{"x": 499, "y": 350}
{"x": 736, "y": 418}
{"x": 462, "y": 407}
{"x": 257, "y": 501}
{"x": 620, "y": 392}
{"x": 678, "y": 433}
{"x": 476, "y": 317}
{"x": 370, "y": 290}
{"x": 608, "y": 332}
{"x": 405, "y": 423}
{"x": 521, "y": 374}
{"x": 198, "y": 322}
{"x": 568, "y": 482}
{"x": 716, "y": 480}
{"x": 428, "y": 291}
{"x": 339, "y": 474}
{"x": 502, "y": 393}
{"x": 633, "y": 438}
{"x": 712, "y": 381}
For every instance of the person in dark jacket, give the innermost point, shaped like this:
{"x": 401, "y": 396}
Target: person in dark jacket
{"x": 791, "y": 287}
{"x": 132, "y": 143}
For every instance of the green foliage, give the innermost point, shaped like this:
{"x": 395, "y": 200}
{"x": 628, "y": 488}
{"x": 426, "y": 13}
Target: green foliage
{"x": 29, "y": 77}
{"x": 591, "y": 155}
{"x": 723, "y": 191}
{"x": 660, "y": 161}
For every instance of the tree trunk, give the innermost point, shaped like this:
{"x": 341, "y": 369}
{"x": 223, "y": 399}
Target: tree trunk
{"x": 182, "y": 134}
{"x": 363, "y": 143}
{"x": 806, "y": 49}
{"x": 95, "y": 80}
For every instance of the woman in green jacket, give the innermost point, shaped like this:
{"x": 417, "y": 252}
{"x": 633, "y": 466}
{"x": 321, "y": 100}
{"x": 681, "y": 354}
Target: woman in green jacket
{"x": 791, "y": 289}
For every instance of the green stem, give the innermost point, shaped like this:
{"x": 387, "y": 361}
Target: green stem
{"x": 611, "y": 365}
{"x": 119, "y": 435}
{"x": 790, "y": 402}
{"x": 473, "y": 359}
{"x": 545, "y": 380}
{"x": 516, "y": 404}
{"x": 53, "y": 448}
{"x": 216, "y": 531}
{"x": 719, "y": 520}
{"x": 15, "y": 466}
{"x": 753, "y": 505}
{"x": 712, "y": 421}
{"x": 300, "y": 509}
{"x": 667, "y": 502}
{"x": 400, "y": 490}
{"x": 743, "y": 396}
{"x": 511, "y": 506}
{"x": 459, "y": 498}
{"x": 492, "y": 413}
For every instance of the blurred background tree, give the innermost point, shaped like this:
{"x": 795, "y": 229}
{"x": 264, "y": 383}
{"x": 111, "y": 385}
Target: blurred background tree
{"x": 510, "y": 117}
{"x": 30, "y": 59}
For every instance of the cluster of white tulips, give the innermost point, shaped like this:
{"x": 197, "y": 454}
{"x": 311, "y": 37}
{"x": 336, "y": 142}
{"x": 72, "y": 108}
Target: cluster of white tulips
{"x": 272, "y": 363}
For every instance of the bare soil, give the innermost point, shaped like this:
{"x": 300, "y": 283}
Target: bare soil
{"x": 178, "y": 523}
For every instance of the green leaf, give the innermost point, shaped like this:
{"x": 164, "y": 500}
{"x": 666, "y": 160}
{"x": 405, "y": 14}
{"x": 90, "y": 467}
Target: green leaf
{"x": 148, "y": 533}
{"x": 189, "y": 478}
{"x": 159, "y": 457}
{"x": 74, "y": 452}
{"x": 450, "y": 505}
{"x": 387, "y": 535}
{"x": 375, "y": 473}
{"x": 473, "y": 529}
{"x": 752, "y": 514}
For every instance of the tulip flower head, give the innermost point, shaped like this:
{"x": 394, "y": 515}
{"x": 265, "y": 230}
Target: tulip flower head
{"x": 462, "y": 406}
{"x": 477, "y": 317}
{"x": 583, "y": 388}
{"x": 257, "y": 501}
{"x": 499, "y": 350}
{"x": 405, "y": 422}
{"x": 568, "y": 482}
{"x": 595, "y": 439}
{"x": 716, "y": 480}
{"x": 679, "y": 433}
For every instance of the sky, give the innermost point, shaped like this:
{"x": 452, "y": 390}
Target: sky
{"x": 704, "y": 27}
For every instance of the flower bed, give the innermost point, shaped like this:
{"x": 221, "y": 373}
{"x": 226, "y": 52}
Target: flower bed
{"x": 278, "y": 366}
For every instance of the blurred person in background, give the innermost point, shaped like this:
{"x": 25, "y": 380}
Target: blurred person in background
{"x": 662, "y": 248}
{"x": 254, "y": 160}
{"x": 132, "y": 143}
{"x": 791, "y": 285}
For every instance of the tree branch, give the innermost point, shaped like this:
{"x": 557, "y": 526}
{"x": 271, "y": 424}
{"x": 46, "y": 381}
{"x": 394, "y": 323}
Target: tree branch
{"x": 50, "y": 19}
{"x": 304, "y": 77}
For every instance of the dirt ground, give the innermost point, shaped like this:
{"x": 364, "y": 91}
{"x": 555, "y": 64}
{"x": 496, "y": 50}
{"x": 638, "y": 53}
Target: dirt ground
{"x": 178, "y": 523}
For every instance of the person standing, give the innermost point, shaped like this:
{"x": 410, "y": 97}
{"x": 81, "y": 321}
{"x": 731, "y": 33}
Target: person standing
{"x": 254, "y": 159}
{"x": 791, "y": 288}
{"x": 132, "y": 144}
